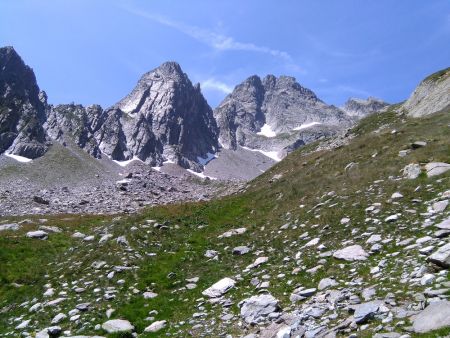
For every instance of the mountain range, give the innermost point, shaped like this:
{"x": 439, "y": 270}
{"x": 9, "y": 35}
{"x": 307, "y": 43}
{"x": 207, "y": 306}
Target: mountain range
{"x": 167, "y": 120}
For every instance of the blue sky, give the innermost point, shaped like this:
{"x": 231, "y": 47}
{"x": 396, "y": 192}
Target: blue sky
{"x": 87, "y": 51}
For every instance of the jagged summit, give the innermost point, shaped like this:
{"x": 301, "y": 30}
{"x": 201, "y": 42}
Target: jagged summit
{"x": 269, "y": 114}
{"x": 357, "y": 107}
{"x": 22, "y": 108}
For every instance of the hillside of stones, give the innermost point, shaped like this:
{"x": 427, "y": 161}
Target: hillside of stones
{"x": 345, "y": 237}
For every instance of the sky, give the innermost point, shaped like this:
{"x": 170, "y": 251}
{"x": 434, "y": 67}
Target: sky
{"x": 87, "y": 51}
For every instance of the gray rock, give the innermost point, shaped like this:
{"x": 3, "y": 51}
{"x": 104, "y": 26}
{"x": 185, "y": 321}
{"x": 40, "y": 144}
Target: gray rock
{"x": 436, "y": 168}
{"x": 156, "y": 326}
{"x": 411, "y": 171}
{"x": 351, "y": 253}
{"x": 10, "y": 227}
{"x": 435, "y": 316}
{"x": 441, "y": 257}
{"x": 364, "y": 311}
{"x": 219, "y": 288}
{"x": 241, "y": 250}
{"x": 444, "y": 225}
{"x": 117, "y": 326}
{"x": 258, "y": 308}
{"x": 326, "y": 283}
{"x": 39, "y": 234}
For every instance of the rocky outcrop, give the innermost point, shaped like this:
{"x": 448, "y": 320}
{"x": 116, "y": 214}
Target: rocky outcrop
{"x": 430, "y": 96}
{"x": 22, "y": 108}
{"x": 275, "y": 114}
{"x": 360, "y": 108}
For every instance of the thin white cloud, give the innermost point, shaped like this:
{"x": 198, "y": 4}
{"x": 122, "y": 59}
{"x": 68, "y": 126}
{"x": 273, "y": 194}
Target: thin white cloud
{"x": 215, "y": 40}
{"x": 213, "y": 84}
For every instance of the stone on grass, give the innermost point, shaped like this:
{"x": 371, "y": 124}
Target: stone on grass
{"x": 434, "y": 317}
{"x": 39, "y": 234}
{"x": 241, "y": 250}
{"x": 445, "y": 224}
{"x": 351, "y": 253}
{"x": 219, "y": 288}
{"x": 233, "y": 232}
{"x": 257, "y": 308}
{"x": 441, "y": 257}
{"x": 149, "y": 295}
{"x": 436, "y": 168}
{"x": 9, "y": 226}
{"x": 117, "y": 326}
{"x": 411, "y": 171}
{"x": 156, "y": 326}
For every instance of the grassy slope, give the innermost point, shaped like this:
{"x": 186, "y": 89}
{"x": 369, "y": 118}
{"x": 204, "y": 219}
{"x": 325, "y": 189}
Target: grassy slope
{"x": 262, "y": 209}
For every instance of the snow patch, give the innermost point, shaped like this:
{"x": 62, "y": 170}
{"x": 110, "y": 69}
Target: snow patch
{"x": 204, "y": 160}
{"x": 267, "y": 131}
{"x": 306, "y": 125}
{"x": 125, "y": 163}
{"x": 271, "y": 154}
{"x": 156, "y": 168}
{"x": 19, "y": 158}
{"x": 202, "y": 175}
{"x": 168, "y": 162}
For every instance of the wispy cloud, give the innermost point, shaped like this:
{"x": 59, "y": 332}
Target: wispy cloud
{"x": 217, "y": 41}
{"x": 213, "y": 84}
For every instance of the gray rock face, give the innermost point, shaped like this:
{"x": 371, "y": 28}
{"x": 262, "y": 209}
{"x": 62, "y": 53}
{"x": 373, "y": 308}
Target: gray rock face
{"x": 360, "y": 108}
{"x": 164, "y": 118}
{"x": 364, "y": 311}
{"x": 430, "y": 96}
{"x": 275, "y": 114}
{"x": 22, "y": 108}
{"x": 435, "y": 316}
{"x": 76, "y": 122}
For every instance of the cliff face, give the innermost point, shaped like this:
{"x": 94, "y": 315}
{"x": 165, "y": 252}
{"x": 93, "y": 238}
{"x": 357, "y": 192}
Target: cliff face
{"x": 430, "y": 96}
{"x": 22, "y": 108}
{"x": 275, "y": 114}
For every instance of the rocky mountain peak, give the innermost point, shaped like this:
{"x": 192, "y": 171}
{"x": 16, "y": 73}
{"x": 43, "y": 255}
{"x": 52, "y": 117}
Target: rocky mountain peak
{"x": 360, "y": 108}
{"x": 22, "y": 108}
{"x": 268, "y": 114}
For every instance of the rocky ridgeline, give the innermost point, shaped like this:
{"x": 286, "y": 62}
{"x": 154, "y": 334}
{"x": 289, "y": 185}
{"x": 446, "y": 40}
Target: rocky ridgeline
{"x": 360, "y": 108}
{"x": 166, "y": 119}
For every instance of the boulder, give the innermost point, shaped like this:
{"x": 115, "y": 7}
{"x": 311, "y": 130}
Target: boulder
{"x": 434, "y": 317}
{"x": 436, "y": 168}
{"x": 351, "y": 253}
{"x": 117, "y": 326}
{"x": 257, "y": 308}
{"x": 441, "y": 257}
{"x": 39, "y": 234}
{"x": 156, "y": 326}
{"x": 219, "y": 288}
